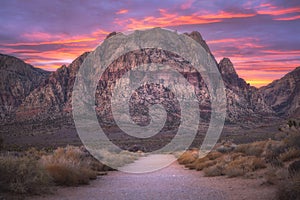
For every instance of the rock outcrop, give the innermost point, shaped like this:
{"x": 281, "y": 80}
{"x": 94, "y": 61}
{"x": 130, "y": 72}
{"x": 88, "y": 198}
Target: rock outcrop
{"x": 17, "y": 80}
{"x": 283, "y": 95}
{"x": 53, "y": 97}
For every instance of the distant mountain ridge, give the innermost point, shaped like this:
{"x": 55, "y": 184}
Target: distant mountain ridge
{"x": 283, "y": 95}
{"x": 48, "y": 95}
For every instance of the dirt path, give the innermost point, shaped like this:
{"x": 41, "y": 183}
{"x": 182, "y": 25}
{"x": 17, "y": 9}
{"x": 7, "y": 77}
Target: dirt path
{"x": 171, "y": 183}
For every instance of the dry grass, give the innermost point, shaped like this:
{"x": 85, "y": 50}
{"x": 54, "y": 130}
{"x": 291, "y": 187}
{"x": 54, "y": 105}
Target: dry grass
{"x": 67, "y": 175}
{"x": 22, "y": 175}
{"x": 215, "y": 170}
{"x": 200, "y": 165}
{"x": 214, "y": 155}
{"x": 246, "y": 159}
{"x": 69, "y": 166}
{"x": 204, "y": 162}
{"x": 215, "y": 163}
{"x": 33, "y": 171}
{"x": 188, "y": 157}
{"x": 242, "y": 165}
{"x": 116, "y": 159}
{"x": 252, "y": 149}
{"x": 289, "y": 154}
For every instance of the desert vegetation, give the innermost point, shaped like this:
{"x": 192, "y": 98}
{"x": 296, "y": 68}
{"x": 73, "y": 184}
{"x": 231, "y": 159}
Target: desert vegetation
{"x": 277, "y": 162}
{"x": 36, "y": 171}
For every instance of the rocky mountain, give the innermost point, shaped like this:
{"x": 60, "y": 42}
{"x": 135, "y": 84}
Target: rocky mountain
{"x": 53, "y": 97}
{"x": 17, "y": 80}
{"x": 283, "y": 95}
{"x": 244, "y": 102}
{"x": 50, "y": 96}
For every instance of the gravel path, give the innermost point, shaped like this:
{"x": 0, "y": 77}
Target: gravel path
{"x": 171, "y": 183}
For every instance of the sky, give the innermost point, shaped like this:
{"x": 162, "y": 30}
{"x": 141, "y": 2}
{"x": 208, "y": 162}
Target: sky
{"x": 261, "y": 38}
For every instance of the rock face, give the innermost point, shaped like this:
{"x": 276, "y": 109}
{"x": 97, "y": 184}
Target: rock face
{"x": 283, "y": 95}
{"x": 53, "y": 97}
{"x": 244, "y": 102}
{"x": 17, "y": 80}
{"x": 48, "y": 96}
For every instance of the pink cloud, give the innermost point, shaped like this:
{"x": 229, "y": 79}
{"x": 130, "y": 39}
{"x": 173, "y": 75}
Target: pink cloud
{"x": 122, "y": 11}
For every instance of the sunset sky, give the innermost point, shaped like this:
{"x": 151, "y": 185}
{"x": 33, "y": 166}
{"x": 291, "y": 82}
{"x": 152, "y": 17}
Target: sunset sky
{"x": 262, "y": 38}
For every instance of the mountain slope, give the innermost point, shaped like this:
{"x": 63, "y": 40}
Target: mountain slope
{"x": 283, "y": 95}
{"x": 17, "y": 80}
{"x": 245, "y": 103}
{"x": 53, "y": 97}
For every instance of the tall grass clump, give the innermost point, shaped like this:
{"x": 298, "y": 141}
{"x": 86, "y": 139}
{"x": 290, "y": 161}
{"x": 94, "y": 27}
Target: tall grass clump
{"x": 188, "y": 157}
{"x": 252, "y": 149}
{"x": 22, "y": 175}
{"x": 290, "y": 154}
{"x": 116, "y": 159}
{"x": 70, "y": 166}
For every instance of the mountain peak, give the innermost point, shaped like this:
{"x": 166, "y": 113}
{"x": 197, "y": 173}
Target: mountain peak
{"x": 296, "y": 70}
{"x": 198, "y": 38}
{"x": 111, "y": 34}
{"x": 229, "y": 74}
{"x": 195, "y": 35}
{"x": 226, "y": 67}
{"x": 11, "y": 63}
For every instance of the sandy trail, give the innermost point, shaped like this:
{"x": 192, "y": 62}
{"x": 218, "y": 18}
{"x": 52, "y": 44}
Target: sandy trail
{"x": 170, "y": 183}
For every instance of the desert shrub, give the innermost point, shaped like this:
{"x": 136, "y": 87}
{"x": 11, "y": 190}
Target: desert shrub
{"x": 188, "y": 157}
{"x": 34, "y": 153}
{"x": 22, "y": 175}
{"x": 233, "y": 156}
{"x": 206, "y": 164}
{"x": 273, "y": 150}
{"x": 258, "y": 163}
{"x": 98, "y": 166}
{"x": 214, "y": 155}
{"x": 196, "y": 162}
{"x": 289, "y": 154}
{"x": 69, "y": 166}
{"x": 289, "y": 189}
{"x": 215, "y": 170}
{"x": 251, "y": 149}
{"x": 242, "y": 165}
{"x": 116, "y": 159}
{"x": 64, "y": 174}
